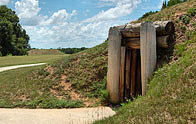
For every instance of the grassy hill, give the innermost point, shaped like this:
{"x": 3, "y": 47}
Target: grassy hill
{"x": 37, "y": 52}
{"x": 171, "y": 96}
{"x": 80, "y": 80}
{"x": 75, "y": 81}
{"x": 20, "y": 60}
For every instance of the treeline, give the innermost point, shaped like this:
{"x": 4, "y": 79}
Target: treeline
{"x": 171, "y": 3}
{"x": 148, "y": 14}
{"x": 71, "y": 50}
{"x": 13, "y": 38}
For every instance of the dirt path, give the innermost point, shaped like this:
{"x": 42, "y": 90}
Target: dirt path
{"x": 18, "y": 66}
{"x": 54, "y": 116}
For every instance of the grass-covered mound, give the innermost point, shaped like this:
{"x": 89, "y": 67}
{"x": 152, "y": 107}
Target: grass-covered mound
{"x": 21, "y": 60}
{"x": 171, "y": 96}
{"x": 38, "y": 52}
{"x": 75, "y": 81}
{"x": 80, "y": 79}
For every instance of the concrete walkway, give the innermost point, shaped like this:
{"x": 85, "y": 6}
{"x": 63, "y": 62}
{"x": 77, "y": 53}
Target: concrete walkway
{"x": 54, "y": 116}
{"x": 19, "y": 66}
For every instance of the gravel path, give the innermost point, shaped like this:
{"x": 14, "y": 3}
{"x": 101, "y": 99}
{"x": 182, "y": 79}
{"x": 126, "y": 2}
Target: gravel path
{"x": 54, "y": 116}
{"x": 19, "y": 66}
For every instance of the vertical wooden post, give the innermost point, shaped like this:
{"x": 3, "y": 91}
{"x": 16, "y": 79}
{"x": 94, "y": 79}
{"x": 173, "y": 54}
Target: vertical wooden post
{"x": 128, "y": 67}
{"x": 133, "y": 73}
{"x": 138, "y": 89}
{"x": 148, "y": 52}
{"x": 113, "y": 75}
{"x": 122, "y": 72}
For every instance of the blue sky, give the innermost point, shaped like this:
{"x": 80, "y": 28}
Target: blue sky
{"x": 75, "y": 23}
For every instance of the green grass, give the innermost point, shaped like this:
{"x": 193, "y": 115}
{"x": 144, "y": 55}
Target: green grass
{"x": 85, "y": 74}
{"x": 20, "y": 60}
{"x": 171, "y": 96}
{"x": 169, "y": 12}
{"x": 43, "y": 87}
{"x": 21, "y": 88}
{"x": 86, "y": 70}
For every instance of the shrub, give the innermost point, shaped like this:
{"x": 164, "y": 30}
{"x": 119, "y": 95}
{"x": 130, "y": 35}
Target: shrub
{"x": 185, "y": 19}
{"x": 192, "y": 12}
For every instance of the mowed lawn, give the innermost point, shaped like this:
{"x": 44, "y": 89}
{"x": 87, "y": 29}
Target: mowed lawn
{"x": 20, "y": 60}
{"x": 20, "y": 88}
{"x": 24, "y": 88}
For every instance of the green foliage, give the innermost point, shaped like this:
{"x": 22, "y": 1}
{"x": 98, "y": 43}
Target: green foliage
{"x": 148, "y": 14}
{"x": 183, "y": 27}
{"x": 43, "y": 73}
{"x": 192, "y": 12}
{"x": 164, "y": 5}
{"x": 13, "y": 39}
{"x": 171, "y": 3}
{"x": 191, "y": 38}
{"x": 104, "y": 96}
{"x": 71, "y": 50}
{"x": 6, "y": 30}
{"x": 56, "y": 103}
{"x": 185, "y": 19}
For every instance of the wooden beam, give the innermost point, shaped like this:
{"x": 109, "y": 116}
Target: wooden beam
{"x": 113, "y": 75}
{"x": 148, "y": 53}
{"x": 162, "y": 28}
{"x": 162, "y": 42}
{"x": 122, "y": 73}
{"x": 133, "y": 44}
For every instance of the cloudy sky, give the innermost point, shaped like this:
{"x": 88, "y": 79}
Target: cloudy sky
{"x": 75, "y": 23}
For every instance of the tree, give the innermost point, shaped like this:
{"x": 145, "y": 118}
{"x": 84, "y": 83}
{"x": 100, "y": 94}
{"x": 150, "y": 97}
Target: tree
{"x": 6, "y": 31}
{"x": 171, "y": 3}
{"x": 13, "y": 38}
{"x": 174, "y": 2}
{"x": 164, "y": 5}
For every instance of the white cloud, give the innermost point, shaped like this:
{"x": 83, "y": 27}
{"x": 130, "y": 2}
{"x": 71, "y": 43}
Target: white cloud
{"x": 28, "y": 12}
{"x": 60, "y": 17}
{"x": 59, "y": 31}
{"x": 5, "y": 2}
{"x": 122, "y": 8}
{"x": 27, "y": 8}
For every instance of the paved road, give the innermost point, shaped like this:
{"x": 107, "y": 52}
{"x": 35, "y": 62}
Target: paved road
{"x": 19, "y": 66}
{"x": 54, "y": 116}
